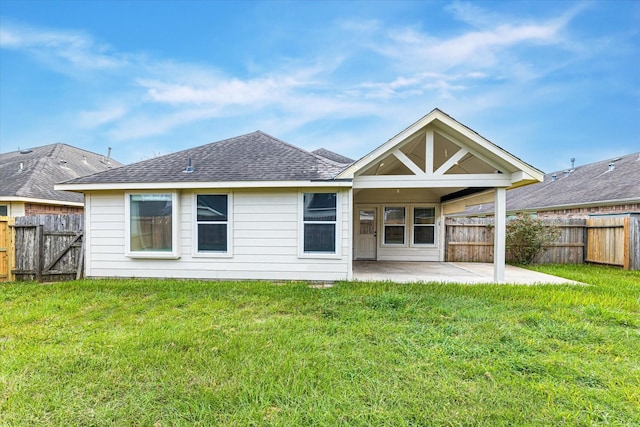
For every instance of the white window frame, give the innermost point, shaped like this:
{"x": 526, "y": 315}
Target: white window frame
{"x": 434, "y": 225}
{"x": 211, "y": 254}
{"x": 383, "y": 242}
{"x": 302, "y": 222}
{"x": 8, "y": 210}
{"x": 175, "y": 236}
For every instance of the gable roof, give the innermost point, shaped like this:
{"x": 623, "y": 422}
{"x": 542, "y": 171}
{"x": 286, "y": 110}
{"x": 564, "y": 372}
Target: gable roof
{"x": 32, "y": 173}
{"x": 523, "y": 173}
{"x": 588, "y": 185}
{"x": 252, "y": 157}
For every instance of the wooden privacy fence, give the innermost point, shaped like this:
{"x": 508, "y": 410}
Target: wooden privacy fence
{"x": 613, "y": 239}
{"x": 7, "y": 249}
{"x": 49, "y": 247}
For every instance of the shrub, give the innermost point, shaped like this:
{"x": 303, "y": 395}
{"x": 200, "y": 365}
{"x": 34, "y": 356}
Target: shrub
{"x": 527, "y": 237}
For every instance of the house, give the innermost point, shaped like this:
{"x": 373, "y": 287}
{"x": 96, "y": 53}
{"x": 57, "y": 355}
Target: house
{"x": 255, "y": 207}
{"x": 605, "y": 187}
{"x": 28, "y": 177}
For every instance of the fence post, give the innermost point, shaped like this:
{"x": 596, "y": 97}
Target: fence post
{"x": 39, "y": 261}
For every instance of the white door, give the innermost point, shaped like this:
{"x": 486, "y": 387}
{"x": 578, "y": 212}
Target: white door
{"x": 366, "y": 235}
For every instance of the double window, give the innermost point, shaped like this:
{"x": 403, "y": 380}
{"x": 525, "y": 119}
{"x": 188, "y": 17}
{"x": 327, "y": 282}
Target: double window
{"x": 423, "y": 225}
{"x": 212, "y": 223}
{"x": 151, "y": 226}
{"x": 319, "y": 222}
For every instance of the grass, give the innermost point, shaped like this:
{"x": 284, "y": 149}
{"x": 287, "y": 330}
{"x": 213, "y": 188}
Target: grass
{"x": 165, "y": 353}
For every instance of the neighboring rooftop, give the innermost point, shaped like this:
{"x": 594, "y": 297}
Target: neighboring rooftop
{"x": 251, "y": 157}
{"x": 32, "y": 173}
{"x": 611, "y": 181}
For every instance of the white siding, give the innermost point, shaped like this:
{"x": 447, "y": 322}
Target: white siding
{"x": 265, "y": 226}
{"x": 408, "y": 198}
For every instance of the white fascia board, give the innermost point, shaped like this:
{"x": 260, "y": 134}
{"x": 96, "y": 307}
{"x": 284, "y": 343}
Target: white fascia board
{"x": 40, "y": 201}
{"x": 489, "y": 146}
{"x": 387, "y": 146}
{"x": 434, "y": 117}
{"x": 437, "y": 181}
{"x": 196, "y": 185}
{"x": 522, "y": 178}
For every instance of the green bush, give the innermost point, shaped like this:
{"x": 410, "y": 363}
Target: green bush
{"x": 527, "y": 237}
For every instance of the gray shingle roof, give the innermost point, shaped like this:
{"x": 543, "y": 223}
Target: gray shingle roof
{"x": 589, "y": 184}
{"x": 42, "y": 167}
{"x": 338, "y": 158}
{"x": 252, "y": 157}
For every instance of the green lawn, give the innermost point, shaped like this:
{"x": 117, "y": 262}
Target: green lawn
{"x": 165, "y": 353}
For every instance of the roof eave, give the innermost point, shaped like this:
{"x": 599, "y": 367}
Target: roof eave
{"x": 344, "y": 183}
{"x": 39, "y": 201}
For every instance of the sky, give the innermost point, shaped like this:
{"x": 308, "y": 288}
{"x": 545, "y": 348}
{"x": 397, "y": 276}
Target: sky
{"x": 545, "y": 80}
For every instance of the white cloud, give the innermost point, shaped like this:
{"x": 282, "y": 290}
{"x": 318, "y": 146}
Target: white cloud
{"x": 59, "y": 48}
{"x": 92, "y": 119}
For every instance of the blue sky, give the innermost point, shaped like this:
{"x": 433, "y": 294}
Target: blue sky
{"x": 545, "y": 80}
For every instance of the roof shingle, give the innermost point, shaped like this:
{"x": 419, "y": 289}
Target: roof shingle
{"x": 33, "y": 173}
{"x": 251, "y": 157}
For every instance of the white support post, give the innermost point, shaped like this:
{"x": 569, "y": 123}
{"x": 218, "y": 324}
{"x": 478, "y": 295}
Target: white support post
{"x": 500, "y": 231}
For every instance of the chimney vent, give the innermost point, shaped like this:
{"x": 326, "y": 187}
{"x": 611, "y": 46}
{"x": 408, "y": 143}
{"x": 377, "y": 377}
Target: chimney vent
{"x": 612, "y": 166}
{"x": 554, "y": 177}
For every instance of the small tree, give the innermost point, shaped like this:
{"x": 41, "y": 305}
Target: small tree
{"x": 528, "y": 237}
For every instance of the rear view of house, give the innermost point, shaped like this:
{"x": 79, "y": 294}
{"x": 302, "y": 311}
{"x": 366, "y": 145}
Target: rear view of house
{"x": 255, "y": 207}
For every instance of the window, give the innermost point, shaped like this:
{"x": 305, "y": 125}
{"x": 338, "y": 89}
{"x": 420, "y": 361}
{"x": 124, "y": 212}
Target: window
{"x": 319, "y": 222}
{"x": 424, "y": 226}
{"x": 394, "y": 225}
{"x": 151, "y": 224}
{"x": 4, "y": 210}
{"x": 212, "y": 222}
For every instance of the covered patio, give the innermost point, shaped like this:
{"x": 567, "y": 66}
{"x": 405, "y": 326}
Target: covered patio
{"x": 447, "y": 272}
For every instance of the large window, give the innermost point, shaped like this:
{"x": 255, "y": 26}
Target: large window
{"x": 394, "y": 225}
{"x": 212, "y": 223}
{"x": 319, "y": 222}
{"x": 151, "y": 224}
{"x": 424, "y": 226}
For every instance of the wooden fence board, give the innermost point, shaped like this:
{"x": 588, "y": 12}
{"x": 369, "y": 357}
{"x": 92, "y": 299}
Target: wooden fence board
{"x": 48, "y": 247}
{"x": 7, "y": 249}
{"x": 606, "y": 240}
{"x": 471, "y": 240}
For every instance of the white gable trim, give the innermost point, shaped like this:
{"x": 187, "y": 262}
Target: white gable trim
{"x": 442, "y": 122}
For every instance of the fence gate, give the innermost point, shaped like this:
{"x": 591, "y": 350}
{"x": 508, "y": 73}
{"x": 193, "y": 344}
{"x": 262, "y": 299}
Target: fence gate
{"x": 48, "y": 247}
{"x": 7, "y": 249}
{"x": 615, "y": 240}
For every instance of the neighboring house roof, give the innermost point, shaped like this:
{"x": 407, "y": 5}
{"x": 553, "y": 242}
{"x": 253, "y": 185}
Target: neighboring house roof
{"x": 252, "y": 157}
{"x": 607, "y": 182}
{"x": 32, "y": 174}
{"x": 327, "y": 154}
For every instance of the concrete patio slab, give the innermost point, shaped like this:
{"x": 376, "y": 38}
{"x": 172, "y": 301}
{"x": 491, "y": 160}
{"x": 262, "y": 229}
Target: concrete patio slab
{"x": 449, "y": 272}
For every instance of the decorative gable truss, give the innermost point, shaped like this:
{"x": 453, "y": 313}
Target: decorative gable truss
{"x": 439, "y": 152}
{"x": 433, "y": 158}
